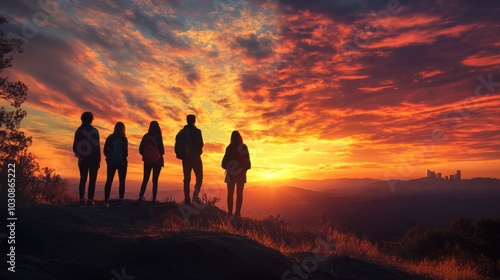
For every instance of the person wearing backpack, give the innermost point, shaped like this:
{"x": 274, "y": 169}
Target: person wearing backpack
{"x": 116, "y": 152}
{"x": 236, "y": 162}
{"x": 188, "y": 148}
{"x": 152, "y": 151}
{"x": 86, "y": 146}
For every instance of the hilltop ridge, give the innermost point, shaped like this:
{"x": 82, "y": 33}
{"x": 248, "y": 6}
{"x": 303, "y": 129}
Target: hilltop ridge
{"x": 104, "y": 243}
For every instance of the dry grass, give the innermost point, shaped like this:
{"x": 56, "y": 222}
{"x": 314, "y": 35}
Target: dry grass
{"x": 275, "y": 233}
{"x": 444, "y": 269}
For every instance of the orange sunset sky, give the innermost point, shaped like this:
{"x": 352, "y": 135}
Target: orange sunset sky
{"x": 318, "y": 89}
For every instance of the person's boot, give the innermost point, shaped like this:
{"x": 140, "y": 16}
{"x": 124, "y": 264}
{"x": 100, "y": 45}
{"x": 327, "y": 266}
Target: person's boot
{"x": 237, "y": 213}
{"x": 229, "y": 206}
{"x": 90, "y": 203}
{"x": 82, "y": 203}
{"x": 196, "y": 194}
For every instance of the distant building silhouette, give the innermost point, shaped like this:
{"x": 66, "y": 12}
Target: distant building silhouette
{"x": 433, "y": 175}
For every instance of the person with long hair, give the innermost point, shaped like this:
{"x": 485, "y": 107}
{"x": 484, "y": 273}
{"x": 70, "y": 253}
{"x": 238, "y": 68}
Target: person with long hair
{"x": 236, "y": 162}
{"x": 152, "y": 151}
{"x": 116, "y": 152}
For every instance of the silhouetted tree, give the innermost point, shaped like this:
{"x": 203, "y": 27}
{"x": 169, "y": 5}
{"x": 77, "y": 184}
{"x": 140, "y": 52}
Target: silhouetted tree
{"x": 32, "y": 184}
{"x": 12, "y": 141}
{"x": 50, "y": 188}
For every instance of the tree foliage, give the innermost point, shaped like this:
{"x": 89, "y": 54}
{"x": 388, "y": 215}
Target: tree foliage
{"x": 467, "y": 241}
{"x": 12, "y": 141}
{"x": 33, "y": 184}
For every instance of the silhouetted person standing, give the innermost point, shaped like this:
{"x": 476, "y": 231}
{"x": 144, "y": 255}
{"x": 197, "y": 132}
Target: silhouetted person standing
{"x": 86, "y": 147}
{"x": 152, "y": 151}
{"x": 116, "y": 152}
{"x": 236, "y": 161}
{"x": 189, "y": 147}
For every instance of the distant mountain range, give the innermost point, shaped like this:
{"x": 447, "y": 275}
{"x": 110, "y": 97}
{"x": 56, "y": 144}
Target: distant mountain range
{"x": 378, "y": 209}
{"x": 318, "y": 185}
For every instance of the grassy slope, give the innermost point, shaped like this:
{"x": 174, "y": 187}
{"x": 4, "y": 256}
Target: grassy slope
{"x": 158, "y": 243}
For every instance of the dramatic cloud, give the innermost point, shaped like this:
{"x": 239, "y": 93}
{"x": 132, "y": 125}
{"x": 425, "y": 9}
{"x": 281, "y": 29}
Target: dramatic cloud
{"x": 317, "y": 88}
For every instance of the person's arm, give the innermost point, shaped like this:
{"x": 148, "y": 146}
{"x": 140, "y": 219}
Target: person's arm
{"x": 161, "y": 147}
{"x": 201, "y": 142}
{"x": 141, "y": 145}
{"x": 106, "y": 146}
{"x": 75, "y": 141}
{"x": 176, "y": 145}
{"x": 125, "y": 152}
{"x": 247, "y": 157}
{"x": 225, "y": 159}
{"x": 98, "y": 147}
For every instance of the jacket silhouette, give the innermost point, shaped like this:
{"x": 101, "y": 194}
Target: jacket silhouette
{"x": 86, "y": 146}
{"x": 120, "y": 165}
{"x": 236, "y": 162}
{"x": 154, "y": 131}
{"x": 193, "y": 161}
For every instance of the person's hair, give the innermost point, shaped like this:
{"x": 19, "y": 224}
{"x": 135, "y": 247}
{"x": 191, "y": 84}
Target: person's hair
{"x": 87, "y": 117}
{"x": 119, "y": 130}
{"x": 236, "y": 138}
{"x": 154, "y": 129}
{"x": 191, "y": 119}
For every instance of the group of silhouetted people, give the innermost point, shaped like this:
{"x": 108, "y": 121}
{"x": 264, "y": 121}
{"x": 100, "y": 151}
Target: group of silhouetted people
{"x": 188, "y": 148}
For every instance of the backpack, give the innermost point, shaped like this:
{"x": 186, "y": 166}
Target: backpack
{"x": 116, "y": 155}
{"x": 85, "y": 142}
{"x": 241, "y": 155}
{"x": 184, "y": 144}
{"x": 236, "y": 154}
{"x": 150, "y": 152}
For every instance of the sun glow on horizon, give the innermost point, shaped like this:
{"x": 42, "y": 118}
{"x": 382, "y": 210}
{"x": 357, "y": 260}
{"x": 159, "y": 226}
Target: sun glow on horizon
{"x": 270, "y": 176}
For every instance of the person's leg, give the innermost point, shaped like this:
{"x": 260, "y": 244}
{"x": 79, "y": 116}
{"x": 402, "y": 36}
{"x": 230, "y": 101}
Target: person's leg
{"x": 230, "y": 194}
{"x": 147, "y": 173}
{"x": 186, "y": 168}
{"x": 122, "y": 175}
{"x": 109, "y": 180}
{"x": 239, "y": 198}
{"x": 92, "y": 179}
{"x": 198, "y": 172}
{"x": 156, "y": 175}
{"x": 84, "y": 169}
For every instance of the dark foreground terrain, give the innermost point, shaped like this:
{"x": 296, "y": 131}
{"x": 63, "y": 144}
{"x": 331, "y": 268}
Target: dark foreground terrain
{"x": 113, "y": 243}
